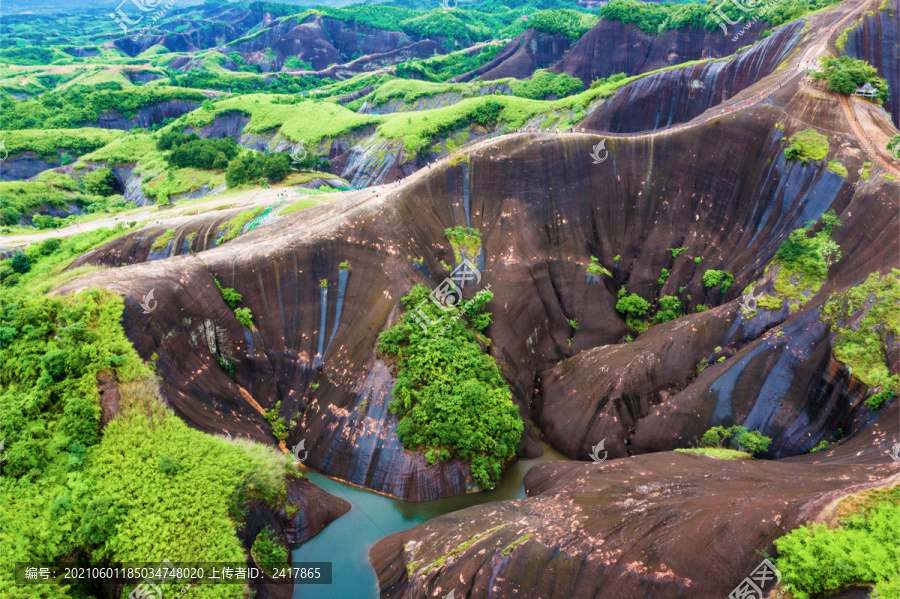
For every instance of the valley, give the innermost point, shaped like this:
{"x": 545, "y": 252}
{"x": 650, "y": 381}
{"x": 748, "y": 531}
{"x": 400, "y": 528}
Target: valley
{"x": 495, "y": 299}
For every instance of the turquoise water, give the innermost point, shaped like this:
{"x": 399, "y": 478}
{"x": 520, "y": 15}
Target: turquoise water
{"x": 346, "y": 541}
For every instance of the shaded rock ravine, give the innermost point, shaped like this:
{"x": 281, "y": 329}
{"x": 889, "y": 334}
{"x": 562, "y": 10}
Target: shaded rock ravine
{"x": 722, "y": 189}
{"x": 663, "y": 525}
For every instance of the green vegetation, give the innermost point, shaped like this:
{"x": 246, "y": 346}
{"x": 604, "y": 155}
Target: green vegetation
{"x": 711, "y": 278}
{"x": 669, "y": 308}
{"x": 722, "y": 453}
{"x": 741, "y": 439}
{"x": 544, "y": 84}
{"x": 163, "y": 240}
{"x": 509, "y": 548}
{"x": 231, "y": 297}
{"x": 835, "y": 166}
{"x": 676, "y": 251}
{"x": 21, "y": 199}
{"x": 298, "y": 206}
{"x": 803, "y": 260}
{"x": 50, "y": 142}
{"x": 99, "y": 182}
{"x": 268, "y": 552}
{"x": 634, "y": 308}
{"x": 445, "y": 67}
{"x": 279, "y": 425}
{"x": 860, "y": 343}
{"x": 233, "y": 227}
{"x": 244, "y": 316}
{"x": 449, "y": 394}
{"x": 663, "y": 276}
{"x": 807, "y": 145}
{"x": 655, "y": 18}
{"x": 844, "y": 75}
{"x": 863, "y": 550}
{"x": 457, "y": 550}
{"x": 69, "y": 490}
{"x": 464, "y": 240}
{"x": 75, "y": 105}
{"x": 594, "y": 268}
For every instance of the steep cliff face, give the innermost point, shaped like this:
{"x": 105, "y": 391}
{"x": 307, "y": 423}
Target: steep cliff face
{"x": 678, "y": 95}
{"x": 149, "y": 115}
{"x": 26, "y": 165}
{"x": 721, "y": 189}
{"x": 665, "y": 525}
{"x": 612, "y": 47}
{"x": 522, "y": 56}
{"x": 877, "y": 40}
{"x": 323, "y": 41}
{"x": 232, "y": 23}
{"x": 316, "y": 509}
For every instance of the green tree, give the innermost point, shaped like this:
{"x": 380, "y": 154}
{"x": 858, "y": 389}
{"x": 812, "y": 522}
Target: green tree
{"x": 20, "y": 263}
{"x": 100, "y": 181}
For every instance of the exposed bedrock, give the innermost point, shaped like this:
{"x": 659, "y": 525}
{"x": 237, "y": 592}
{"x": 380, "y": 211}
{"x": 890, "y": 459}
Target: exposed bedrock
{"x": 612, "y": 47}
{"x": 678, "y": 95}
{"x": 877, "y": 40}
{"x": 232, "y": 24}
{"x": 378, "y": 60}
{"x": 664, "y": 525}
{"x": 721, "y": 189}
{"x": 146, "y": 116}
{"x": 26, "y": 165}
{"x": 316, "y": 509}
{"x": 523, "y": 55}
{"x": 323, "y": 41}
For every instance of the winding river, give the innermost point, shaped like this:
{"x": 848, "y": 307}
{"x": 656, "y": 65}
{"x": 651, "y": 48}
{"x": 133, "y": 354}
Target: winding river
{"x": 346, "y": 541}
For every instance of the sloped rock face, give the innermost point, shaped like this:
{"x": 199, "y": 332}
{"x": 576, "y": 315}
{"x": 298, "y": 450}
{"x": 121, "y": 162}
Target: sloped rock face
{"x": 677, "y": 96}
{"x": 25, "y": 166}
{"x": 612, "y": 47}
{"x": 720, "y": 189}
{"x": 149, "y": 115}
{"x": 232, "y": 23}
{"x": 877, "y": 40}
{"x": 323, "y": 41}
{"x": 665, "y": 525}
{"x": 316, "y": 509}
{"x": 526, "y": 53}
{"x": 378, "y": 60}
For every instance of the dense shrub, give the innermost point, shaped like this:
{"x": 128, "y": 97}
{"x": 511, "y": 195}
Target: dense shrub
{"x": 864, "y": 550}
{"x": 844, "y": 75}
{"x": 741, "y": 439}
{"x": 100, "y": 182}
{"x": 268, "y": 552}
{"x": 449, "y": 394}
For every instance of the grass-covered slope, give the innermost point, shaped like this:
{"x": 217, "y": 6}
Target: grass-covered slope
{"x": 150, "y": 488}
